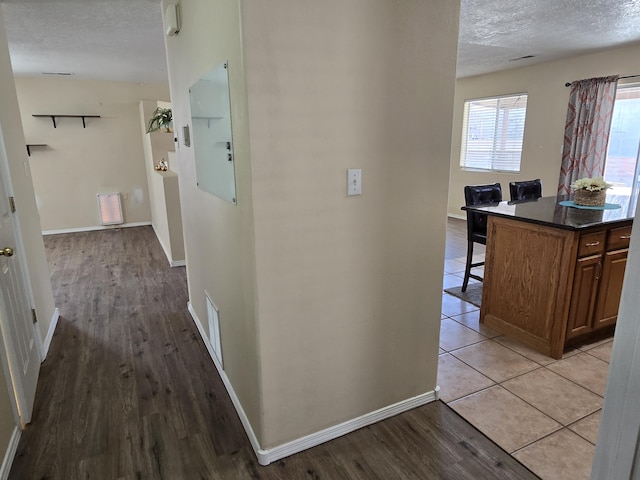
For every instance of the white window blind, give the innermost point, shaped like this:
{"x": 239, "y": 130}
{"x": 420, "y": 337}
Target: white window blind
{"x": 493, "y": 129}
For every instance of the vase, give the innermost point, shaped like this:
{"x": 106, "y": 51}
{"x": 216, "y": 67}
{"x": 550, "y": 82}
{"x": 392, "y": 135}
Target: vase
{"x": 590, "y": 199}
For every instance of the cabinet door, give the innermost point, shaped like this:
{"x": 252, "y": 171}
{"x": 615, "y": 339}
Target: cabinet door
{"x": 610, "y": 288}
{"x": 583, "y": 295}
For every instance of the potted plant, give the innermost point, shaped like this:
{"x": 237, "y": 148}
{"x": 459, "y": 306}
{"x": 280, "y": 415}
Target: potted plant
{"x": 161, "y": 119}
{"x": 590, "y": 191}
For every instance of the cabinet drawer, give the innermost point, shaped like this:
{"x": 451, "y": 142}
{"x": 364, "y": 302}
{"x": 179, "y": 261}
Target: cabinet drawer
{"x": 619, "y": 238}
{"x": 591, "y": 243}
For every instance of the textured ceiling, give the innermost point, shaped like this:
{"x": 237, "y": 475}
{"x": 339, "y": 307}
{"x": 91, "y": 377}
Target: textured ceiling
{"x": 98, "y": 39}
{"x": 123, "y": 39}
{"x": 495, "y": 32}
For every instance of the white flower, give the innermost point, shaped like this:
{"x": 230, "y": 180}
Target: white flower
{"x": 595, "y": 184}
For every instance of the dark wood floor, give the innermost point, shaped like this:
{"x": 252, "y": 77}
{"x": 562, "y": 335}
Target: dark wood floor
{"x": 128, "y": 391}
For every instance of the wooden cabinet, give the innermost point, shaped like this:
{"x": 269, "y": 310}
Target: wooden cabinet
{"x": 610, "y": 289}
{"x": 583, "y": 296}
{"x": 596, "y": 292}
{"x": 549, "y": 287}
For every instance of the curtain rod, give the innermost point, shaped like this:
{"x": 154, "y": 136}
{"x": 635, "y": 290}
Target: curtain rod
{"x": 568, "y": 84}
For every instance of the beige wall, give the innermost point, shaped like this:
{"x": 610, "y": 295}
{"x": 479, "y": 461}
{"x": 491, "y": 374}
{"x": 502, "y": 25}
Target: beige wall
{"x": 22, "y": 188}
{"x": 164, "y": 198}
{"x": 546, "y": 115}
{"x": 349, "y": 288}
{"x": 106, "y": 156}
{"x": 339, "y": 315}
{"x": 219, "y": 243}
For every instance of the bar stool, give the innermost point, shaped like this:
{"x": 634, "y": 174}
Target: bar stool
{"x": 477, "y": 222}
{"x": 525, "y": 190}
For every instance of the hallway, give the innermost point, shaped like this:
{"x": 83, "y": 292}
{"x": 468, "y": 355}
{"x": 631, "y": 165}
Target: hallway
{"x": 129, "y": 391}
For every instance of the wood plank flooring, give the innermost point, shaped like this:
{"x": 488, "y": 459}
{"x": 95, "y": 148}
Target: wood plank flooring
{"x": 128, "y": 391}
{"x": 457, "y": 240}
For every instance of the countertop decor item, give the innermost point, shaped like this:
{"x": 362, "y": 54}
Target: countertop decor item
{"x": 161, "y": 119}
{"x": 606, "y": 206}
{"x": 590, "y": 192}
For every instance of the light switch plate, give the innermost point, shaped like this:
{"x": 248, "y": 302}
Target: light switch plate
{"x": 186, "y": 136}
{"x": 354, "y": 181}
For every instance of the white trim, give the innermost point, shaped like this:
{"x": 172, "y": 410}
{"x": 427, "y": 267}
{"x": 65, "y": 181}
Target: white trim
{"x": 617, "y": 451}
{"x": 267, "y": 456}
{"x": 234, "y": 398}
{"x": 10, "y": 454}
{"x": 459, "y": 217}
{"x": 97, "y": 227}
{"x": 172, "y": 263}
{"x": 49, "y": 337}
{"x": 164, "y": 248}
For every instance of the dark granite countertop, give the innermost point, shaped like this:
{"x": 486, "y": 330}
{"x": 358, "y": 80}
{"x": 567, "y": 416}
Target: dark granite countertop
{"x": 548, "y": 211}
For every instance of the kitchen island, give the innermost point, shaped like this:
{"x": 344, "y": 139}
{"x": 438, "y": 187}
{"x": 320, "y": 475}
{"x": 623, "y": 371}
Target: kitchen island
{"x": 553, "y": 274}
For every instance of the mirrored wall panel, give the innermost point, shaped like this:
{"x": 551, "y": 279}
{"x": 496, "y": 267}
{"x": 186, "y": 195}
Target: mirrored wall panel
{"x": 211, "y": 134}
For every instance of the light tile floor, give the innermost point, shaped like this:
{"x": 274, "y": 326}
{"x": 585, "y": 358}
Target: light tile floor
{"x": 544, "y": 412}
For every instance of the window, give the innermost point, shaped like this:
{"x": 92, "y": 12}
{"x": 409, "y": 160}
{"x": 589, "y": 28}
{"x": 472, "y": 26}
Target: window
{"x": 492, "y": 133}
{"x": 621, "y": 165}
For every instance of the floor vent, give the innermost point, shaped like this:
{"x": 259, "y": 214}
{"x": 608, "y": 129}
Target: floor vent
{"x": 214, "y": 328}
{"x": 110, "y": 208}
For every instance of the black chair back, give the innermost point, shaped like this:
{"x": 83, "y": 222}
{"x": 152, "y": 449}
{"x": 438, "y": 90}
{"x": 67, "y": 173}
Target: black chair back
{"x": 525, "y": 190}
{"x": 479, "y": 195}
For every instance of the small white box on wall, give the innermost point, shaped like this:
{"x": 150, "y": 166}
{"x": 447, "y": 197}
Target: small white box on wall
{"x": 172, "y": 19}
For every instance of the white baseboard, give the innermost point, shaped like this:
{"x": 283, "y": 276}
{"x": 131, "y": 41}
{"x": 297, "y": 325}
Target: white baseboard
{"x": 234, "y": 398}
{"x": 172, "y": 263}
{"x": 98, "y": 227}
{"x": 459, "y": 217}
{"x": 267, "y": 456}
{"x": 9, "y": 455}
{"x": 52, "y": 327}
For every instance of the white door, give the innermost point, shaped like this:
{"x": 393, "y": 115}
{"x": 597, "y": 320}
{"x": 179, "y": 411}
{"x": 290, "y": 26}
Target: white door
{"x": 22, "y": 358}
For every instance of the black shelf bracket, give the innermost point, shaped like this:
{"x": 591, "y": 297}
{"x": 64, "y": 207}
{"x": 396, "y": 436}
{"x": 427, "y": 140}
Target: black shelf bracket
{"x": 30, "y": 145}
{"x": 54, "y": 115}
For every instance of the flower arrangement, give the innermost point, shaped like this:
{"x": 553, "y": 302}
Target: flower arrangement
{"x": 590, "y": 192}
{"x": 595, "y": 184}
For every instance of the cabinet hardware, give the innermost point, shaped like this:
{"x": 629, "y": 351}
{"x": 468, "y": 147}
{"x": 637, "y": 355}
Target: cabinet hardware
{"x": 599, "y": 274}
{"x": 625, "y": 237}
{"x": 592, "y": 244}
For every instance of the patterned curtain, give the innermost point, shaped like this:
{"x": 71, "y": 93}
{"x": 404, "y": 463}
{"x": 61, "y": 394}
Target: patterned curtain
{"x": 586, "y": 132}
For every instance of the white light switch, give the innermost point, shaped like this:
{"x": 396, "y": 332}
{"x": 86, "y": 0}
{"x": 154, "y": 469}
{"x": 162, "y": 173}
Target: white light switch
{"x": 354, "y": 181}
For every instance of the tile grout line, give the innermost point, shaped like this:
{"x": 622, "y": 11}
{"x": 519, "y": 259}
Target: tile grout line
{"x": 500, "y": 384}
